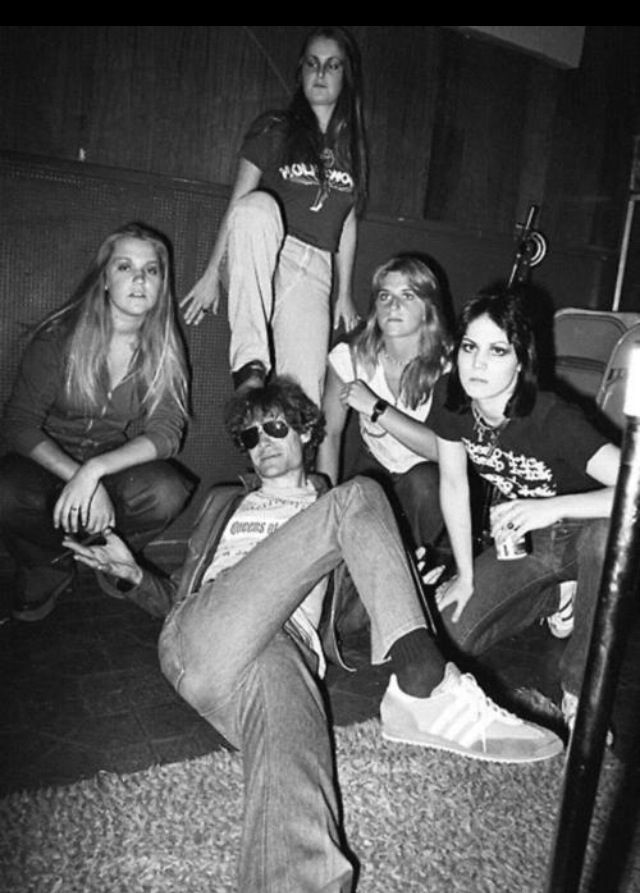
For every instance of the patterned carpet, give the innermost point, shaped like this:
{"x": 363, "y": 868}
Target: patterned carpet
{"x": 83, "y": 698}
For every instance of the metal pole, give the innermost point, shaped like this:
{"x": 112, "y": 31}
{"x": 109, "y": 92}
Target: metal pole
{"x": 624, "y": 250}
{"x": 612, "y": 620}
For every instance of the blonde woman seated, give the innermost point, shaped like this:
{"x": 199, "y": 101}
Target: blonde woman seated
{"x": 98, "y": 409}
{"x": 386, "y": 374}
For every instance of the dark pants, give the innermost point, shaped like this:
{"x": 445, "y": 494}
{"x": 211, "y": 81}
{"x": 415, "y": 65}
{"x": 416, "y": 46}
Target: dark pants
{"x": 508, "y": 596}
{"x": 413, "y": 495}
{"x": 146, "y": 499}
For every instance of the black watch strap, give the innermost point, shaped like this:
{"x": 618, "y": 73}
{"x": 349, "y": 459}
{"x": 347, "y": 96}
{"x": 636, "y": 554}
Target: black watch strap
{"x": 378, "y": 408}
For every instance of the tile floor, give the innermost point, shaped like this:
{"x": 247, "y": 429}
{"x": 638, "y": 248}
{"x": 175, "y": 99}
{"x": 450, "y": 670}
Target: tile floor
{"x": 81, "y": 691}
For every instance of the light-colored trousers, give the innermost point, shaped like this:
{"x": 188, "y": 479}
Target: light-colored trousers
{"x": 225, "y": 651}
{"x": 279, "y": 292}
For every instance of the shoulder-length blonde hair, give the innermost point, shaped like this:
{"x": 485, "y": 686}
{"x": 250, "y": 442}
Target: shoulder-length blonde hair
{"x": 420, "y": 375}
{"x": 161, "y": 364}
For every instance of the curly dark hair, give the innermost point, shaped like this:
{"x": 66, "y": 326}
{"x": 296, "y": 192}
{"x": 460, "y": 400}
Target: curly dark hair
{"x": 281, "y": 396}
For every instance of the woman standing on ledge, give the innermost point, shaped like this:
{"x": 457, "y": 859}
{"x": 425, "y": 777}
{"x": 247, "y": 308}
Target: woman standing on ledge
{"x": 301, "y": 177}
{"x": 99, "y": 404}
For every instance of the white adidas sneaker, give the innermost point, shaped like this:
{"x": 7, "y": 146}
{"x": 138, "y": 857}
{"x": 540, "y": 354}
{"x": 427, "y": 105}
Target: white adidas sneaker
{"x": 460, "y": 718}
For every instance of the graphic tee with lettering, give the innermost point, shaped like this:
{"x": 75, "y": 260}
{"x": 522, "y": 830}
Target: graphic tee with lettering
{"x": 314, "y": 211}
{"x": 543, "y": 454}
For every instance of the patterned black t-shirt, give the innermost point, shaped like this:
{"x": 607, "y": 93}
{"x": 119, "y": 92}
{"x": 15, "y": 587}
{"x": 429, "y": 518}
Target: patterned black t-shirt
{"x": 544, "y": 454}
{"x": 313, "y": 212}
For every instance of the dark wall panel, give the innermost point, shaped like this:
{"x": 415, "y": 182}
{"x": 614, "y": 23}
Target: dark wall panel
{"x": 462, "y": 131}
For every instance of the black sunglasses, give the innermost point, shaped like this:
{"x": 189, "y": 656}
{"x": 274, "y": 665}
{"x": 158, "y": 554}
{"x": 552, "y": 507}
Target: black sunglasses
{"x": 249, "y": 437}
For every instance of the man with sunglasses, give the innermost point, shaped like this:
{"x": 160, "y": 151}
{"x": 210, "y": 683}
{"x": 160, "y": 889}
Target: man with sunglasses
{"x": 241, "y": 641}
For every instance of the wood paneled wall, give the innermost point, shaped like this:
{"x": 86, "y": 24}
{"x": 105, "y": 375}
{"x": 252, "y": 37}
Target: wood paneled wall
{"x": 462, "y": 132}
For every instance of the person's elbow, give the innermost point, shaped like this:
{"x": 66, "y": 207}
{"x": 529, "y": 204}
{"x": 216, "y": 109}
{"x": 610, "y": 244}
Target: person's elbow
{"x": 165, "y": 445}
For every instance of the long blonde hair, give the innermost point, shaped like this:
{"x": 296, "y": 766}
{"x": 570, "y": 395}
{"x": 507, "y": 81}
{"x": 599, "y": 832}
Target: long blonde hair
{"x": 420, "y": 375}
{"x": 161, "y": 364}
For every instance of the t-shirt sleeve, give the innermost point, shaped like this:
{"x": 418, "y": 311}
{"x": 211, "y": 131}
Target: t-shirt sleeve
{"x": 262, "y": 143}
{"x": 578, "y": 438}
{"x": 443, "y": 422}
{"x": 340, "y": 361}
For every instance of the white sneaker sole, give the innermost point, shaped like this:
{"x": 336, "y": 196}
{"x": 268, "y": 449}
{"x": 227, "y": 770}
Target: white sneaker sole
{"x": 436, "y": 743}
{"x": 560, "y": 630}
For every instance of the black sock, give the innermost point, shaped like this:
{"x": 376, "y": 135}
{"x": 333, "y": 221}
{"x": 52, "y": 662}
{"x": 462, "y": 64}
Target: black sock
{"x": 417, "y": 663}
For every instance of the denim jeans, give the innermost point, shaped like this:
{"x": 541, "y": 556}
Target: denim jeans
{"x": 146, "y": 499}
{"x": 278, "y": 292}
{"x": 227, "y": 651}
{"x": 509, "y": 596}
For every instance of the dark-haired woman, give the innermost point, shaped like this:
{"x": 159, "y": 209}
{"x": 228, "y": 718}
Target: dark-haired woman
{"x": 301, "y": 178}
{"x": 98, "y": 406}
{"x": 554, "y": 474}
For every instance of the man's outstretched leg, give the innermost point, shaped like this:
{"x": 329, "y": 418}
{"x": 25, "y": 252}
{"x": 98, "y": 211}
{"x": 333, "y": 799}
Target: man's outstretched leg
{"x": 274, "y": 714}
{"x": 231, "y": 621}
{"x": 292, "y": 839}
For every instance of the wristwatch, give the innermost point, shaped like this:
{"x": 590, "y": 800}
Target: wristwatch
{"x": 378, "y": 408}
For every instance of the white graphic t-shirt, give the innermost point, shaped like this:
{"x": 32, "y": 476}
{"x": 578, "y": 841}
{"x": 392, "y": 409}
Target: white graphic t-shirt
{"x": 261, "y": 513}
